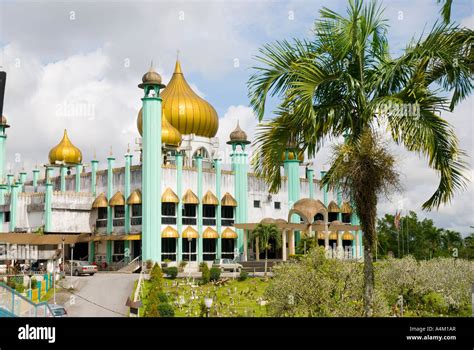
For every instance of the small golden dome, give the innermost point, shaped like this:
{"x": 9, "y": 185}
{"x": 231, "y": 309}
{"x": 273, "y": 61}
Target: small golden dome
{"x": 65, "y": 152}
{"x": 4, "y": 122}
{"x": 291, "y": 155}
{"x": 151, "y": 78}
{"x": 238, "y": 135}
{"x": 169, "y": 134}
{"x": 186, "y": 111}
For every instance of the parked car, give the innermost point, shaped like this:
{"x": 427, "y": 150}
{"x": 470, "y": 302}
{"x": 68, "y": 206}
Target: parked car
{"x": 227, "y": 264}
{"x": 80, "y": 268}
{"x": 58, "y": 310}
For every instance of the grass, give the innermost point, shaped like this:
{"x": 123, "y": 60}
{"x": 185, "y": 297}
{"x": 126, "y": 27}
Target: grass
{"x": 234, "y": 299}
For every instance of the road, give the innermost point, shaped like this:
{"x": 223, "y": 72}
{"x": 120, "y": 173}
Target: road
{"x": 101, "y": 295}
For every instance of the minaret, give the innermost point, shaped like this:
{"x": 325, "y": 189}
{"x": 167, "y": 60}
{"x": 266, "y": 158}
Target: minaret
{"x": 292, "y": 157}
{"x": 3, "y": 145}
{"x": 238, "y": 140}
{"x": 151, "y": 168}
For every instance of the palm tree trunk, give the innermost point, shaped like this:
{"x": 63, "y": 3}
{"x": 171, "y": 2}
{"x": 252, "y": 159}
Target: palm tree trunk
{"x": 266, "y": 260}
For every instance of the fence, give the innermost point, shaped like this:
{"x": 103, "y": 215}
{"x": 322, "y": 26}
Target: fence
{"x": 13, "y": 304}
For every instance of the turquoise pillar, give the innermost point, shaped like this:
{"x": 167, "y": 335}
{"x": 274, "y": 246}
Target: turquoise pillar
{"x": 110, "y": 193}
{"x": 22, "y": 181}
{"x": 128, "y": 163}
{"x": 291, "y": 168}
{"x": 3, "y": 191}
{"x": 94, "y": 166}
{"x": 179, "y": 193}
{"x": 48, "y": 198}
{"x": 38, "y": 285}
{"x": 339, "y": 204}
{"x": 35, "y": 179}
{"x": 62, "y": 173}
{"x": 151, "y": 168}
{"x": 239, "y": 167}
{"x": 10, "y": 178}
{"x": 91, "y": 252}
{"x": 217, "y": 167}
{"x": 325, "y": 190}
{"x": 3, "y": 149}
{"x": 199, "y": 218}
{"x": 78, "y": 177}
{"x": 13, "y": 205}
{"x": 310, "y": 176}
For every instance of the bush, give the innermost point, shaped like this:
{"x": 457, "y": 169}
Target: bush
{"x": 162, "y": 297}
{"x": 20, "y": 288}
{"x": 206, "y": 274}
{"x": 11, "y": 283}
{"x": 165, "y": 310}
{"x": 243, "y": 275}
{"x": 201, "y": 266}
{"x": 149, "y": 264}
{"x": 156, "y": 275}
{"x": 34, "y": 283}
{"x": 182, "y": 265}
{"x": 215, "y": 274}
{"x": 172, "y": 272}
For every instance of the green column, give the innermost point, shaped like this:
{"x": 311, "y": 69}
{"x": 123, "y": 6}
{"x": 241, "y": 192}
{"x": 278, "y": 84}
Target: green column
{"x": 22, "y": 181}
{"x": 91, "y": 252}
{"x": 110, "y": 193}
{"x": 151, "y": 168}
{"x": 217, "y": 166}
{"x": 310, "y": 175}
{"x": 128, "y": 163}
{"x": 199, "y": 218}
{"x": 339, "y": 204}
{"x": 325, "y": 190}
{"x": 35, "y": 179}
{"x": 291, "y": 169}
{"x": 13, "y": 205}
{"x": 179, "y": 193}
{"x": 10, "y": 178}
{"x": 3, "y": 146}
{"x": 48, "y": 198}
{"x": 239, "y": 166}
{"x": 78, "y": 177}
{"x": 3, "y": 191}
{"x": 94, "y": 166}
{"x": 63, "y": 171}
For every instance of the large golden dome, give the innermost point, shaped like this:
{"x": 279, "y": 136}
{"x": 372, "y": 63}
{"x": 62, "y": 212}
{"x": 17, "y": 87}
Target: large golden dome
{"x": 169, "y": 134}
{"x": 65, "y": 152}
{"x": 185, "y": 110}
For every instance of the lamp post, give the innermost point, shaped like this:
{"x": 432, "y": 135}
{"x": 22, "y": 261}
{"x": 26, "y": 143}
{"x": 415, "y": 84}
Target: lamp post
{"x": 72, "y": 256}
{"x": 189, "y": 256}
{"x": 208, "y": 302}
{"x": 62, "y": 254}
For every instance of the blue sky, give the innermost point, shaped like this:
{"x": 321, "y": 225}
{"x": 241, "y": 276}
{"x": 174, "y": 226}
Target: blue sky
{"x": 92, "y": 54}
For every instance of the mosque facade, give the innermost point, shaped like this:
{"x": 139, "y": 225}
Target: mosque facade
{"x": 175, "y": 203}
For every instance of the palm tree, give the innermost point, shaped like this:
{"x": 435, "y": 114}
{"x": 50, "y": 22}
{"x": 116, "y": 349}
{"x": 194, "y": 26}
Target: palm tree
{"x": 344, "y": 81}
{"x": 265, "y": 234}
{"x": 363, "y": 171}
{"x": 446, "y": 9}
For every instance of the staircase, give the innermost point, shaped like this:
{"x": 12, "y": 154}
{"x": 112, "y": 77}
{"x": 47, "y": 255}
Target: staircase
{"x": 13, "y": 304}
{"x": 133, "y": 266}
{"x": 258, "y": 266}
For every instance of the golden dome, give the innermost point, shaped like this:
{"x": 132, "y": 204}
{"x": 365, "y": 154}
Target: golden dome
{"x": 65, "y": 152}
{"x": 169, "y": 135}
{"x": 186, "y": 111}
{"x": 291, "y": 155}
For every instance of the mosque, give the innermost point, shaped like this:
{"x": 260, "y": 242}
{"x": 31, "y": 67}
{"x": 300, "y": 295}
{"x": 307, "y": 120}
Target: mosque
{"x": 175, "y": 203}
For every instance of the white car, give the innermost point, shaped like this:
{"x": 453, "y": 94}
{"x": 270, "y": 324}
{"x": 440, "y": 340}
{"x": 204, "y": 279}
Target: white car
{"x": 227, "y": 264}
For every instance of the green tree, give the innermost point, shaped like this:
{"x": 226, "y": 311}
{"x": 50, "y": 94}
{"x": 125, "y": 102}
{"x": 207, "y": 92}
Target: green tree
{"x": 344, "y": 81}
{"x": 266, "y": 233}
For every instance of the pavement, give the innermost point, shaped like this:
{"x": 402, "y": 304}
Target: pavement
{"x": 101, "y": 295}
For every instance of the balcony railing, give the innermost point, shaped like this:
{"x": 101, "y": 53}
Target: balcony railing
{"x": 170, "y": 220}
{"x": 136, "y": 221}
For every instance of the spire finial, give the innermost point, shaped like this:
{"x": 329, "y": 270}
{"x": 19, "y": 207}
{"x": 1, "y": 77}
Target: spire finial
{"x": 128, "y": 148}
{"x": 177, "y": 55}
{"x": 151, "y": 67}
{"x": 111, "y": 153}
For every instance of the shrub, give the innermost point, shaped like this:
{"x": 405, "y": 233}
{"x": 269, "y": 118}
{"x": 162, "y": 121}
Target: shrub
{"x": 172, "y": 272}
{"x": 20, "y": 288}
{"x": 214, "y": 273}
{"x": 151, "y": 309}
{"x": 162, "y": 297}
{"x": 149, "y": 264}
{"x": 182, "y": 265}
{"x": 201, "y": 266}
{"x": 11, "y": 282}
{"x": 156, "y": 275}
{"x": 206, "y": 274}
{"x": 243, "y": 275}
{"x": 34, "y": 283}
{"x": 165, "y": 310}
